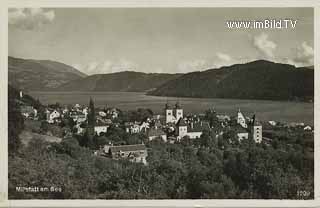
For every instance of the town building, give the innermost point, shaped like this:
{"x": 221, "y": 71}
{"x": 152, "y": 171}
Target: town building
{"x": 100, "y": 128}
{"x": 53, "y": 116}
{"x": 242, "y": 133}
{"x": 134, "y": 153}
{"x": 245, "y": 131}
{"x": 181, "y": 129}
{"x": 29, "y": 112}
{"x": 195, "y": 129}
{"x": 155, "y": 132}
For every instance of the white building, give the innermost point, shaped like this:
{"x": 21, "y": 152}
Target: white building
{"x": 173, "y": 114}
{"x": 256, "y": 131}
{"x": 155, "y": 132}
{"x": 241, "y": 120}
{"x": 102, "y": 114}
{"x": 100, "y": 128}
{"x": 52, "y": 116}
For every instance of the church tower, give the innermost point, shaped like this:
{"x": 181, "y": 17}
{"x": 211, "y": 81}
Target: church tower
{"x": 178, "y": 111}
{"x": 169, "y": 113}
{"x": 256, "y": 130}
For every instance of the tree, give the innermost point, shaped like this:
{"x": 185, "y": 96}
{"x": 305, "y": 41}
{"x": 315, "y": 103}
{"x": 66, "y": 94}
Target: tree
{"x": 15, "y": 125}
{"x": 91, "y": 123}
{"x": 211, "y": 116}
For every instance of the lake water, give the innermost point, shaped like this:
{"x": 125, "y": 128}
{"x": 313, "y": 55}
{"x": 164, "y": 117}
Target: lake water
{"x": 264, "y": 109}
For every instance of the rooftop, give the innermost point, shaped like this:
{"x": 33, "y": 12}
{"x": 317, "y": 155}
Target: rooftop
{"x": 181, "y": 122}
{"x": 127, "y": 148}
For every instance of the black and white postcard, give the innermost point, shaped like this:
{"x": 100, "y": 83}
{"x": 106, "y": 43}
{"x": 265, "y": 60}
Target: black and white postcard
{"x": 160, "y": 103}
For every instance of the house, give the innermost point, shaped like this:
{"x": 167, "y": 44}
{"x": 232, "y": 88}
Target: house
{"x": 100, "y": 128}
{"x": 242, "y": 133}
{"x": 113, "y": 112}
{"x": 307, "y": 128}
{"x": 132, "y": 127}
{"x": 156, "y": 132}
{"x": 77, "y": 106}
{"x": 80, "y": 128}
{"x": 134, "y": 153}
{"x": 144, "y": 126}
{"x": 65, "y": 111}
{"x": 272, "y": 123}
{"x": 102, "y": 114}
{"x": 28, "y": 111}
{"x": 85, "y": 111}
{"x": 195, "y": 129}
{"x": 223, "y": 118}
{"x": 181, "y": 128}
{"x": 53, "y": 116}
{"x": 78, "y": 117}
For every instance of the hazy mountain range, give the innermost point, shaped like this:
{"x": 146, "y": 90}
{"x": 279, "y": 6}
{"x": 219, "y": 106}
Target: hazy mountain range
{"x": 255, "y": 80}
{"x": 30, "y": 74}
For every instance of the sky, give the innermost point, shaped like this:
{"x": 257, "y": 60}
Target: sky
{"x": 158, "y": 40}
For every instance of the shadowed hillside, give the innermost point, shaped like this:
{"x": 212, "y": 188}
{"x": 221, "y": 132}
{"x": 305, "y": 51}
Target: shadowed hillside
{"x": 255, "y": 80}
{"x": 30, "y": 74}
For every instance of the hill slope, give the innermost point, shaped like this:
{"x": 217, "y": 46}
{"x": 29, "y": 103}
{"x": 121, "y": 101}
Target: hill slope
{"x": 122, "y": 81}
{"x": 30, "y": 74}
{"x": 255, "y": 80}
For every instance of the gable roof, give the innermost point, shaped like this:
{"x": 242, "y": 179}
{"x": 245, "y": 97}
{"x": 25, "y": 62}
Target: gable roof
{"x": 181, "y": 122}
{"x": 127, "y": 148}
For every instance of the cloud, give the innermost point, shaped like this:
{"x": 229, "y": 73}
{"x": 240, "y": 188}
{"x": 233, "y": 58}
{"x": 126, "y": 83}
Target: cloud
{"x": 193, "y": 65}
{"x": 303, "y": 56}
{"x": 29, "y": 18}
{"x": 223, "y": 57}
{"x": 107, "y": 66}
{"x": 265, "y": 46}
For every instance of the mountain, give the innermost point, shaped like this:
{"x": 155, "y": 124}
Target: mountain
{"x": 28, "y": 74}
{"x": 255, "y": 80}
{"x": 127, "y": 81}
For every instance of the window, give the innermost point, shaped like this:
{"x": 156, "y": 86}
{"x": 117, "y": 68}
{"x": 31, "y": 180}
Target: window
{"x": 169, "y": 114}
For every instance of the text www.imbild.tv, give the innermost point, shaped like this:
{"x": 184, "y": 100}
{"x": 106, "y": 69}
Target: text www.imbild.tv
{"x": 262, "y": 24}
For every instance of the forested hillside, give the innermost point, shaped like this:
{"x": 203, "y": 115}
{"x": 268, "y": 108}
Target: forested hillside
{"x": 255, "y": 80}
{"x": 28, "y": 74}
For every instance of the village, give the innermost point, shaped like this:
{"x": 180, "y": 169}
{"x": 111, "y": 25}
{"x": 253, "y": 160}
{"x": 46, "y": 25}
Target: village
{"x": 170, "y": 127}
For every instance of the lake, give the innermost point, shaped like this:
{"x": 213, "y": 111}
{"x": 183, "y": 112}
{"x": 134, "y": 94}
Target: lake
{"x": 264, "y": 109}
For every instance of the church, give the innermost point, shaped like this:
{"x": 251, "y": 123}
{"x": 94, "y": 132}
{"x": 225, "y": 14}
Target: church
{"x": 173, "y": 114}
{"x": 253, "y": 130}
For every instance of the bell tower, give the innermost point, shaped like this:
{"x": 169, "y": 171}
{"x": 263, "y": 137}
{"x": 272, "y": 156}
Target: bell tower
{"x": 178, "y": 111}
{"x": 169, "y": 113}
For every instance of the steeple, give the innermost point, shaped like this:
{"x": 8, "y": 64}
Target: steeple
{"x": 167, "y": 105}
{"x": 178, "y": 106}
